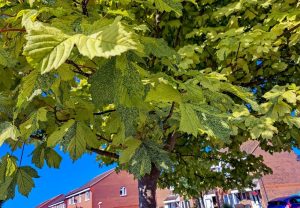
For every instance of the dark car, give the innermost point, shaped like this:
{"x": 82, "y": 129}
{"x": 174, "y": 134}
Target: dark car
{"x": 285, "y": 202}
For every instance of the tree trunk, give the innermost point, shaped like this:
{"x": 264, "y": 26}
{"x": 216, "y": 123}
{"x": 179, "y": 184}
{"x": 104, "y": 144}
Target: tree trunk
{"x": 147, "y": 189}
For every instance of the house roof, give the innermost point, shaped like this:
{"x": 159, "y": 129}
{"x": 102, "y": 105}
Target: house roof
{"x": 90, "y": 183}
{"x": 59, "y": 199}
{"x": 50, "y": 201}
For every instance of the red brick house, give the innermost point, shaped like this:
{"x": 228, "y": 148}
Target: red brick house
{"x": 108, "y": 190}
{"x": 51, "y": 201}
{"x": 119, "y": 190}
{"x": 285, "y": 179}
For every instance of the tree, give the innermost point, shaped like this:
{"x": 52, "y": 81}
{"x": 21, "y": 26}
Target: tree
{"x": 166, "y": 89}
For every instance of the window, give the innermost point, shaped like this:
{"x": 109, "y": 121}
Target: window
{"x": 87, "y": 195}
{"x": 72, "y": 200}
{"x": 123, "y": 191}
{"x": 79, "y": 198}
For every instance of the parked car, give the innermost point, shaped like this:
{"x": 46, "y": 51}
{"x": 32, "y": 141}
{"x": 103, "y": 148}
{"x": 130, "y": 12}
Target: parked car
{"x": 285, "y": 202}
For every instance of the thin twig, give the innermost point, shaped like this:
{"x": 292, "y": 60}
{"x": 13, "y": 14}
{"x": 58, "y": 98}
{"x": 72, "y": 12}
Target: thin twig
{"x": 12, "y": 30}
{"x": 104, "y": 153}
{"x": 79, "y": 70}
{"x": 104, "y": 112}
{"x": 21, "y": 158}
{"x": 169, "y": 115}
{"x": 103, "y": 138}
{"x": 289, "y": 31}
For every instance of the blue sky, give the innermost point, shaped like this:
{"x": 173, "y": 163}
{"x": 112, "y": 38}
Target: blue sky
{"x": 55, "y": 181}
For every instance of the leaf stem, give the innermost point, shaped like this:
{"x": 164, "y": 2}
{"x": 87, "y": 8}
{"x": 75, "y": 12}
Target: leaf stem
{"x": 22, "y": 153}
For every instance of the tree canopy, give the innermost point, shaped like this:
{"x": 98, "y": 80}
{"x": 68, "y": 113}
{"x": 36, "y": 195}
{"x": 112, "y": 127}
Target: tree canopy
{"x": 174, "y": 86}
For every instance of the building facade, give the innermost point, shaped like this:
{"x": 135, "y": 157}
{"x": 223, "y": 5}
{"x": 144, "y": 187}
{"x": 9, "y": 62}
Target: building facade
{"x": 108, "y": 190}
{"x": 119, "y": 190}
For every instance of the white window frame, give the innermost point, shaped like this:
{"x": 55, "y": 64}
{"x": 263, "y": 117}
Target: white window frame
{"x": 87, "y": 196}
{"x": 123, "y": 191}
{"x": 79, "y": 198}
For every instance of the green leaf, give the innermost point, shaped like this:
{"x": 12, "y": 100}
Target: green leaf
{"x": 31, "y": 2}
{"x": 11, "y": 166}
{"x": 27, "y": 88}
{"x": 189, "y": 122}
{"x": 140, "y": 163}
{"x": 169, "y": 5}
{"x": 7, "y": 188}
{"x": 90, "y": 137}
{"x": 8, "y": 167}
{"x": 59, "y": 133}
{"x": 157, "y": 47}
{"x": 290, "y": 96}
{"x": 132, "y": 145}
{"x": 48, "y": 48}
{"x": 77, "y": 145}
{"x": 8, "y": 131}
{"x": 111, "y": 40}
{"x": 5, "y": 58}
{"x": 24, "y": 179}
{"x": 148, "y": 153}
{"x": 163, "y": 93}
{"x": 105, "y": 84}
{"x": 38, "y": 156}
{"x": 42, "y": 153}
{"x": 53, "y": 159}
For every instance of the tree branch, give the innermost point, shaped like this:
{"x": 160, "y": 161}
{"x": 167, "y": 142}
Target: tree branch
{"x": 171, "y": 141}
{"x": 8, "y": 15}
{"x": 103, "y": 138}
{"x": 84, "y": 4}
{"x": 79, "y": 70}
{"x": 104, "y": 153}
{"x": 169, "y": 115}
{"x": 289, "y": 31}
{"x": 12, "y": 30}
{"x": 104, "y": 112}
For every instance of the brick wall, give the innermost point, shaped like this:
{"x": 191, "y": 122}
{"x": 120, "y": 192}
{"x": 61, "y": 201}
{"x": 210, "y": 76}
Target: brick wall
{"x": 107, "y": 191}
{"x": 285, "y": 179}
{"x": 81, "y": 203}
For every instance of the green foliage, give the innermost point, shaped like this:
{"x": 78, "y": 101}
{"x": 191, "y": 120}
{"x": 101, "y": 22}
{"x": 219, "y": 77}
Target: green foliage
{"x": 170, "y": 85}
{"x": 42, "y": 153}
